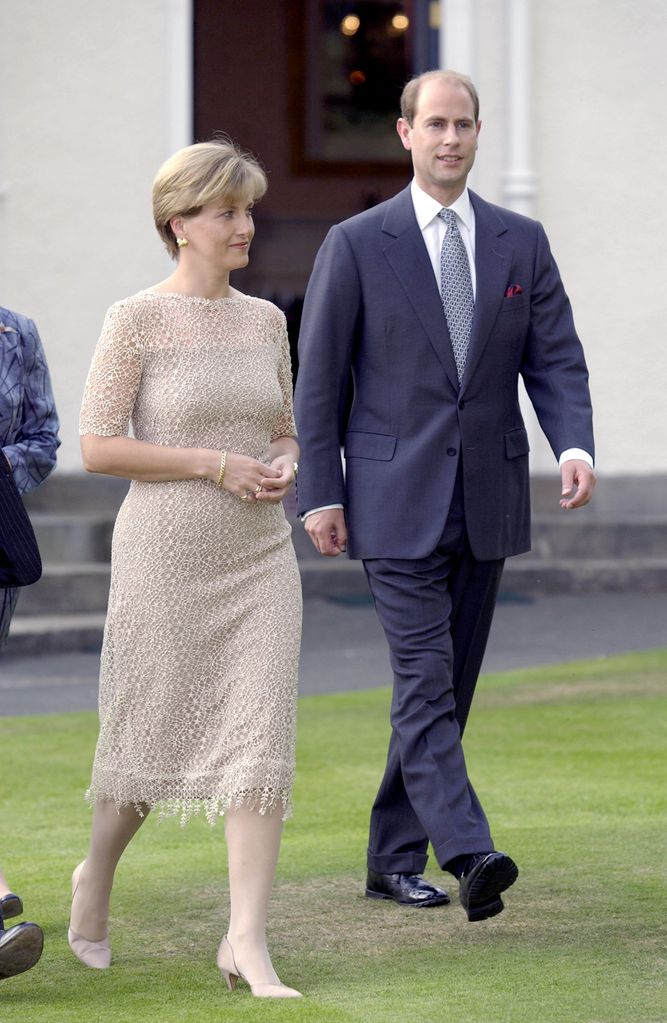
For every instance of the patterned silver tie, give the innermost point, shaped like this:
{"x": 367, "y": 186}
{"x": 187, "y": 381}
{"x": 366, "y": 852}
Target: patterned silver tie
{"x": 456, "y": 289}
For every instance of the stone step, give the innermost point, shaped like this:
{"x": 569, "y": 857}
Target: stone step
{"x": 524, "y": 575}
{"x": 566, "y": 536}
{"x": 531, "y": 575}
{"x": 609, "y": 546}
{"x": 73, "y": 536}
{"x": 563, "y": 536}
{"x": 72, "y": 493}
{"x": 73, "y": 515}
{"x": 50, "y": 634}
{"x": 84, "y": 588}
{"x": 76, "y": 537}
{"x": 616, "y": 497}
{"x": 341, "y": 579}
{"x": 67, "y": 588}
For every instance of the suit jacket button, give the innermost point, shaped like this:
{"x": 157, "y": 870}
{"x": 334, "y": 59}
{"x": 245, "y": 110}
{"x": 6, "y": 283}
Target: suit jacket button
{"x": 451, "y": 451}
{"x": 462, "y": 405}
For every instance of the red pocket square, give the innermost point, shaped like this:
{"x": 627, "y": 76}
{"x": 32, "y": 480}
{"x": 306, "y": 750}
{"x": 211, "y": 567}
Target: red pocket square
{"x": 513, "y": 290}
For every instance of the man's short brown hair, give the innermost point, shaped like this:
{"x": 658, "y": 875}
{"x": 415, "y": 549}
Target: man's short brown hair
{"x": 410, "y": 93}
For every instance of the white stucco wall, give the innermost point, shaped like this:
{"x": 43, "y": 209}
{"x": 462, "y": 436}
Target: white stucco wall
{"x": 602, "y": 153}
{"x": 600, "y": 83}
{"x": 83, "y": 128}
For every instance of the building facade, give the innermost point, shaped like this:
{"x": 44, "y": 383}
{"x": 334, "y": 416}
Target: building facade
{"x": 94, "y": 96}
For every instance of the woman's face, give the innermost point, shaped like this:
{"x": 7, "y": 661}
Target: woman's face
{"x": 220, "y": 235}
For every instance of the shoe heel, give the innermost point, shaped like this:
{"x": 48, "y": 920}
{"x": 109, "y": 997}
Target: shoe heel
{"x": 226, "y": 965}
{"x": 231, "y": 979}
{"x": 376, "y": 895}
{"x": 10, "y": 906}
{"x": 489, "y": 909}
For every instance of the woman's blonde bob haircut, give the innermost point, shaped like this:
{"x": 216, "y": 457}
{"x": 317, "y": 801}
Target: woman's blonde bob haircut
{"x": 215, "y": 172}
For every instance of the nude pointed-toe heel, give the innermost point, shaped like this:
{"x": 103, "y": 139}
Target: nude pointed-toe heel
{"x": 94, "y": 954}
{"x": 232, "y": 974}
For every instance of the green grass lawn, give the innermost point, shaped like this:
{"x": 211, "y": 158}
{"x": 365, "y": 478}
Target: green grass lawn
{"x": 569, "y": 764}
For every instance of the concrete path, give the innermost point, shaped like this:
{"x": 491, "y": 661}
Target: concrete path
{"x": 344, "y": 648}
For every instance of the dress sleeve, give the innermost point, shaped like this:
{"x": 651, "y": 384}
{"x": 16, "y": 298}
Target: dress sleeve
{"x": 114, "y": 377}
{"x": 285, "y": 425}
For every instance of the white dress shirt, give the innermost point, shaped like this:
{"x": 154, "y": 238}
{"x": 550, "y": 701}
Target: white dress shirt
{"x": 433, "y": 229}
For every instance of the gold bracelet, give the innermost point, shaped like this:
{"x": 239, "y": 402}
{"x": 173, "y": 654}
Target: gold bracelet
{"x": 223, "y": 463}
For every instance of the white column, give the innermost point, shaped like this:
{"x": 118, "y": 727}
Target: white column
{"x": 519, "y": 178}
{"x": 178, "y": 87}
{"x": 458, "y": 36}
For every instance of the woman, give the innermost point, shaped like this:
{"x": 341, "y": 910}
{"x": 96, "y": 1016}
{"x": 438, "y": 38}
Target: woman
{"x": 200, "y": 653}
{"x": 29, "y": 441}
{"x": 28, "y": 419}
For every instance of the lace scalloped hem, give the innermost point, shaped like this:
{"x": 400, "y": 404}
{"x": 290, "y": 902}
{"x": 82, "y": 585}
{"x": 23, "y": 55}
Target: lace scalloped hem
{"x": 261, "y": 800}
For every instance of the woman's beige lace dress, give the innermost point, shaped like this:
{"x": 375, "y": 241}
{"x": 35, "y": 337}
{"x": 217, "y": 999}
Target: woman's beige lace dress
{"x": 199, "y": 662}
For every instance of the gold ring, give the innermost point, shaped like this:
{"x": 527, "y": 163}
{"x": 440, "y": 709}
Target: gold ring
{"x": 244, "y": 497}
{"x": 259, "y": 488}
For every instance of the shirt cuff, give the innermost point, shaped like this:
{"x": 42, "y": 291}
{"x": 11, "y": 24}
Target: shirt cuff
{"x": 579, "y": 453}
{"x": 314, "y": 511}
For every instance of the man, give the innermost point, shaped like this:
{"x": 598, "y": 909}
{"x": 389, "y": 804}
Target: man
{"x": 28, "y": 444}
{"x": 435, "y": 302}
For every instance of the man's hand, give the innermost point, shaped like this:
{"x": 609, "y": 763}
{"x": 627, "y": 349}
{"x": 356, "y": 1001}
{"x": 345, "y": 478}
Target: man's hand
{"x": 328, "y": 531}
{"x": 578, "y": 480}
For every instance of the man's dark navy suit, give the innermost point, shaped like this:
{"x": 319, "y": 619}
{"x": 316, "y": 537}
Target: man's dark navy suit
{"x": 436, "y": 489}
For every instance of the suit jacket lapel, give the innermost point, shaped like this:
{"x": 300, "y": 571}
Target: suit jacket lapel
{"x": 406, "y": 253}
{"x": 493, "y": 253}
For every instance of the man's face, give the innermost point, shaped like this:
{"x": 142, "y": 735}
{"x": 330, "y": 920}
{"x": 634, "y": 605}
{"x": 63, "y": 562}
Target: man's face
{"x": 442, "y": 138}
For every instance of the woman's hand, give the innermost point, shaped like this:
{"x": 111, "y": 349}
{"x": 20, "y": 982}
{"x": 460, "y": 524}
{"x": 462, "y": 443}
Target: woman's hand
{"x": 277, "y": 486}
{"x": 244, "y": 476}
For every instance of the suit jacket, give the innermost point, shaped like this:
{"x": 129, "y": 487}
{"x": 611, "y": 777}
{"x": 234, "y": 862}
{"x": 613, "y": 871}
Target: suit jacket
{"x": 373, "y": 310}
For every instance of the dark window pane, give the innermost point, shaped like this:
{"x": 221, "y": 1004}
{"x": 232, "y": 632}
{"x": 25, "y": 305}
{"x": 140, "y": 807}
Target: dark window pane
{"x": 359, "y": 56}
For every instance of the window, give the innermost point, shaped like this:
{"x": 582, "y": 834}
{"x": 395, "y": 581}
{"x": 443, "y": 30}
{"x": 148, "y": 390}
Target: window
{"x": 350, "y": 62}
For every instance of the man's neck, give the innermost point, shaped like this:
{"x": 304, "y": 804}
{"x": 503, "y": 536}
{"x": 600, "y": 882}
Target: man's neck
{"x": 443, "y": 196}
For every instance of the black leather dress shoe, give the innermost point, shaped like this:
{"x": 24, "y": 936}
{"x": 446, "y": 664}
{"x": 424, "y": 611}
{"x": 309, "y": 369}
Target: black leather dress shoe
{"x": 488, "y": 875}
{"x": 405, "y": 889}
{"x": 10, "y": 905}
{"x": 20, "y": 948}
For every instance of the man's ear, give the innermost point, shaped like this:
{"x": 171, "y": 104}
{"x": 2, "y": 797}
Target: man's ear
{"x": 404, "y": 130}
{"x": 477, "y": 131}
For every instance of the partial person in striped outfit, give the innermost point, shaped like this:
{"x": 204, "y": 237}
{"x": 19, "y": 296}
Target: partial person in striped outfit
{"x": 29, "y": 440}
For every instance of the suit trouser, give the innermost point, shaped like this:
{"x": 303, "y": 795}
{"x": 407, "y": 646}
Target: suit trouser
{"x": 436, "y": 613}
